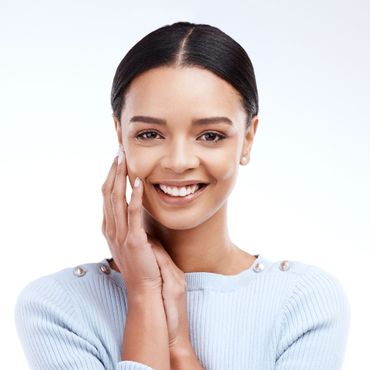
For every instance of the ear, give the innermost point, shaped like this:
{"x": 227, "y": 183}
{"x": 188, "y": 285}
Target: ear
{"x": 118, "y": 128}
{"x": 248, "y": 140}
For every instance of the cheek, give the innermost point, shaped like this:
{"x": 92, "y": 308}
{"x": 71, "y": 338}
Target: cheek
{"x": 223, "y": 166}
{"x": 230, "y": 170}
{"x": 138, "y": 164}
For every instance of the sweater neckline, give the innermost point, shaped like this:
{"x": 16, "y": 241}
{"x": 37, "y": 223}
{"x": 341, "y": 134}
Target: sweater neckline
{"x": 210, "y": 280}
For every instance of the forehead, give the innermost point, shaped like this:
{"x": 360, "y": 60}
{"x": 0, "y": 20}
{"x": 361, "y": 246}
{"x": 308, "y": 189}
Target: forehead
{"x": 186, "y": 91}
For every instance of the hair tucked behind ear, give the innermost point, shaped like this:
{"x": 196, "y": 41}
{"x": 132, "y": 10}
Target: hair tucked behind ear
{"x": 185, "y": 44}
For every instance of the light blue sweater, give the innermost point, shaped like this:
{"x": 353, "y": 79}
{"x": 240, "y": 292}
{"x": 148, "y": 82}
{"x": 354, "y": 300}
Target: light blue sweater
{"x": 266, "y": 317}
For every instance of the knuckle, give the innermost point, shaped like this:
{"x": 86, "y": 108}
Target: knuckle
{"x": 138, "y": 239}
{"x": 175, "y": 289}
{"x": 133, "y": 207}
{"x": 119, "y": 240}
{"x": 180, "y": 288}
{"x": 111, "y": 234}
{"x": 116, "y": 196}
{"x": 105, "y": 189}
{"x": 131, "y": 240}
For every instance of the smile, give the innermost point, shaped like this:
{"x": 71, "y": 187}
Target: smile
{"x": 179, "y": 195}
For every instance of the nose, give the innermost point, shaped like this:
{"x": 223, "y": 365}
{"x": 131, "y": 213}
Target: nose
{"x": 180, "y": 156}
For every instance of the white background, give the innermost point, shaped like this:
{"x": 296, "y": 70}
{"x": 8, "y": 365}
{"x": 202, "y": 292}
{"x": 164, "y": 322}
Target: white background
{"x": 303, "y": 196}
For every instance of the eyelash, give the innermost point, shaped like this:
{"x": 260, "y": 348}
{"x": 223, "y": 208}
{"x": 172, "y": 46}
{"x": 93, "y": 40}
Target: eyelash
{"x": 220, "y": 137}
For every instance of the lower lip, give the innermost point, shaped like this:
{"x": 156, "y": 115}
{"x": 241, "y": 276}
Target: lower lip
{"x": 169, "y": 199}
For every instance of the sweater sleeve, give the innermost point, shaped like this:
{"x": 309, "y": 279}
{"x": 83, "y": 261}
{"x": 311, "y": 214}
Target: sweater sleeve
{"x": 315, "y": 324}
{"x": 51, "y": 333}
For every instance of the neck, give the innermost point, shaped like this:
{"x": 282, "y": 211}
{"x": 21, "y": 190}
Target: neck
{"x": 206, "y": 247}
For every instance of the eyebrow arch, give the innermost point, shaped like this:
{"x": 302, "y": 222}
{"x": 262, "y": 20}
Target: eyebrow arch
{"x": 199, "y": 121}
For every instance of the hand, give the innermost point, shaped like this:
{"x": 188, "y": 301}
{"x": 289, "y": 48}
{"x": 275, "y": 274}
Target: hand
{"x": 124, "y": 232}
{"x": 174, "y": 296}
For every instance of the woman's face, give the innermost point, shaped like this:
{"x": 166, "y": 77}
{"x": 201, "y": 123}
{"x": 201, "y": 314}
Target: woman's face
{"x": 180, "y": 147}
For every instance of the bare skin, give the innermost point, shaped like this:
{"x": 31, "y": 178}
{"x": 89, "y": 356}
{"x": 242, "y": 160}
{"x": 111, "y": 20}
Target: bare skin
{"x": 156, "y": 287}
{"x": 239, "y": 261}
{"x": 195, "y": 237}
{"x": 187, "y": 238}
{"x": 133, "y": 250}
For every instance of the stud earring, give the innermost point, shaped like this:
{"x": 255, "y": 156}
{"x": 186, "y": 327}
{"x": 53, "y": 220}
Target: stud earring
{"x": 243, "y": 160}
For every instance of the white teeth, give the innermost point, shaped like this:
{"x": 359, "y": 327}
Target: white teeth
{"x": 179, "y": 191}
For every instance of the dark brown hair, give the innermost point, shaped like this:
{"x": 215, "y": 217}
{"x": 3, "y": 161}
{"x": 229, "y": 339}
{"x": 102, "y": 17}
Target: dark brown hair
{"x": 188, "y": 44}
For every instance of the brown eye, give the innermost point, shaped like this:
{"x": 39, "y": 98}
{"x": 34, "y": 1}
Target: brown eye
{"x": 213, "y": 135}
{"x": 149, "y": 135}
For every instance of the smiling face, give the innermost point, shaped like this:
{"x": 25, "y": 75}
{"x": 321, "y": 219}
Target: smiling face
{"x": 177, "y": 144}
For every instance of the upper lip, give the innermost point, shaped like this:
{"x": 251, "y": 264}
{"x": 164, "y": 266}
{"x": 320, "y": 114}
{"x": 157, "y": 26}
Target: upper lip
{"x": 179, "y": 183}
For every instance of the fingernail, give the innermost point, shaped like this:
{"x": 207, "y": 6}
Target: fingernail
{"x": 137, "y": 182}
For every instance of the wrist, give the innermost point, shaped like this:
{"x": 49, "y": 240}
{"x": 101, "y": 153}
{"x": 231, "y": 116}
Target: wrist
{"x": 182, "y": 352}
{"x": 144, "y": 296}
{"x": 184, "y": 359}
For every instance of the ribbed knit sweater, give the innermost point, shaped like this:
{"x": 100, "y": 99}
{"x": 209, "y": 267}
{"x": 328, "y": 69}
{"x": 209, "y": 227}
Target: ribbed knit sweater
{"x": 273, "y": 315}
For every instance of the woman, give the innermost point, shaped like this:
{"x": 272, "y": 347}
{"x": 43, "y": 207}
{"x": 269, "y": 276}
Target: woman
{"x": 177, "y": 292}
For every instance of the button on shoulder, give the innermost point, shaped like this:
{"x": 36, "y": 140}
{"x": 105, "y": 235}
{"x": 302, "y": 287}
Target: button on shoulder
{"x": 258, "y": 267}
{"x": 79, "y": 271}
{"x": 105, "y": 269}
{"x": 284, "y": 265}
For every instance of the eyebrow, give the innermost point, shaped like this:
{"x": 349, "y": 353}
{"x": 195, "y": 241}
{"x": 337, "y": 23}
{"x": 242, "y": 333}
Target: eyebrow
{"x": 199, "y": 121}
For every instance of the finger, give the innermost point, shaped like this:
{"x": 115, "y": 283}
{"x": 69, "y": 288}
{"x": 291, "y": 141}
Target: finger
{"x": 109, "y": 233}
{"x": 161, "y": 259}
{"x": 118, "y": 198}
{"x": 164, "y": 256}
{"x": 135, "y": 208}
{"x": 103, "y": 226}
{"x": 159, "y": 250}
{"x": 165, "y": 262}
{"x": 108, "y": 221}
{"x": 173, "y": 278}
{"x": 108, "y": 183}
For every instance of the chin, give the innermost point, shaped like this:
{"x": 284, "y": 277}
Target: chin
{"x": 181, "y": 221}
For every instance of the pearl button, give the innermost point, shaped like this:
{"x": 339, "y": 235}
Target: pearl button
{"x": 258, "y": 267}
{"x": 284, "y": 265}
{"x": 105, "y": 268}
{"x": 79, "y": 271}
